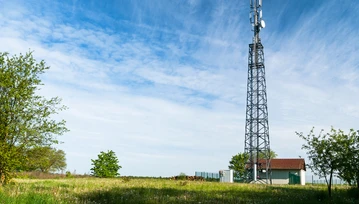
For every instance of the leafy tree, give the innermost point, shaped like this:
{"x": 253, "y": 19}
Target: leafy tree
{"x": 25, "y": 117}
{"x": 106, "y": 166}
{"x": 272, "y": 155}
{"x": 45, "y": 159}
{"x": 348, "y": 157}
{"x": 322, "y": 151}
{"x": 238, "y": 163}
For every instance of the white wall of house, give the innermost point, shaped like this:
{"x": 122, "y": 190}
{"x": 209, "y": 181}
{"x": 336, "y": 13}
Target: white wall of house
{"x": 282, "y": 176}
{"x": 302, "y": 177}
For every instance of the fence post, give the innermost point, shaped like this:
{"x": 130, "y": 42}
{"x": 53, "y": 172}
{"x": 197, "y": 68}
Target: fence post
{"x": 312, "y": 180}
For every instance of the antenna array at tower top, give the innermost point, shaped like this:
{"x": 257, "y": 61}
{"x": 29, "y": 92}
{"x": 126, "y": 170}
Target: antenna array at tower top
{"x": 255, "y": 15}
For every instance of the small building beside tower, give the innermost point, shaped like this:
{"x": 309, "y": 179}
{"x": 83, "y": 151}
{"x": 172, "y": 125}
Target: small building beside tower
{"x": 286, "y": 171}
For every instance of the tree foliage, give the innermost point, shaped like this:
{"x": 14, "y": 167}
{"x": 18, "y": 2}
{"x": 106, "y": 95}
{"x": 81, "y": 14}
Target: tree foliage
{"x": 348, "y": 157}
{"x": 238, "y": 163}
{"x": 333, "y": 153}
{"x": 321, "y": 154}
{"x": 44, "y": 159}
{"x": 272, "y": 155}
{"x": 25, "y": 117}
{"x": 106, "y": 166}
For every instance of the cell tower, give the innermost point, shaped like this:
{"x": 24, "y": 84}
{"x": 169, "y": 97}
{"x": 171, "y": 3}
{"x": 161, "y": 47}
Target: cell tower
{"x": 257, "y": 129}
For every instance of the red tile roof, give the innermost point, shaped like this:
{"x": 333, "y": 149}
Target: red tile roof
{"x": 286, "y": 163}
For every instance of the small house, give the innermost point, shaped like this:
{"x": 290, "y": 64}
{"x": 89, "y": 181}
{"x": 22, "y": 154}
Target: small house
{"x": 286, "y": 171}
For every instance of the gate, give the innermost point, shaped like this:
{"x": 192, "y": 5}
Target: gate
{"x": 294, "y": 179}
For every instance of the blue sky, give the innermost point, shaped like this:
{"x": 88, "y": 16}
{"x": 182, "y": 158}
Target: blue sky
{"x": 163, "y": 83}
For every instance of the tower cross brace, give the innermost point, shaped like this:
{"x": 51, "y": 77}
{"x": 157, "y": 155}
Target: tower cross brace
{"x": 257, "y": 146}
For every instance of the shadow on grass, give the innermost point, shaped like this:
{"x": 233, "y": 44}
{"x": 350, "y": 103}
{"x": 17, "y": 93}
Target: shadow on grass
{"x": 247, "y": 194}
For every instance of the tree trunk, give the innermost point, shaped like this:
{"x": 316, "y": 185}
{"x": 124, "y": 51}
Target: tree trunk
{"x": 330, "y": 183}
{"x": 2, "y": 178}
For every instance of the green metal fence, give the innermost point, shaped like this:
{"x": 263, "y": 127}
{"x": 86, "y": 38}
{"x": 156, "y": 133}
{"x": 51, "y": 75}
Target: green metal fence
{"x": 207, "y": 175}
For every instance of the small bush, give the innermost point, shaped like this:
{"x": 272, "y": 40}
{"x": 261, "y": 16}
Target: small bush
{"x": 182, "y": 176}
{"x": 212, "y": 179}
{"x": 321, "y": 195}
{"x": 126, "y": 179}
{"x": 20, "y": 175}
{"x": 69, "y": 175}
{"x": 353, "y": 193}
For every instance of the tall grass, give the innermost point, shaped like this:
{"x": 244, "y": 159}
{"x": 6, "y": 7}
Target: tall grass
{"x": 42, "y": 175}
{"x": 129, "y": 190}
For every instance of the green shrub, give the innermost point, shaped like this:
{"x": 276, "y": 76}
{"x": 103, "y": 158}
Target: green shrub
{"x": 321, "y": 195}
{"x": 353, "y": 193}
{"x": 106, "y": 166}
{"x": 126, "y": 179}
{"x": 68, "y": 174}
{"x": 182, "y": 176}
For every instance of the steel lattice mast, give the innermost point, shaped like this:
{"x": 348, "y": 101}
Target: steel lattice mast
{"x": 257, "y": 129}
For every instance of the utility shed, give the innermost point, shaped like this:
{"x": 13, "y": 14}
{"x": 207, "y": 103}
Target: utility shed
{"x": 286, "y": 171}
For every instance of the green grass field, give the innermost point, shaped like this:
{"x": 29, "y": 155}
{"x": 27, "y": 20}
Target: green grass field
{"x": 121, "y": 190}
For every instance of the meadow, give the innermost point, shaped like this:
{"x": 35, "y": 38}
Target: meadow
{"x": 136, "y": 190}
